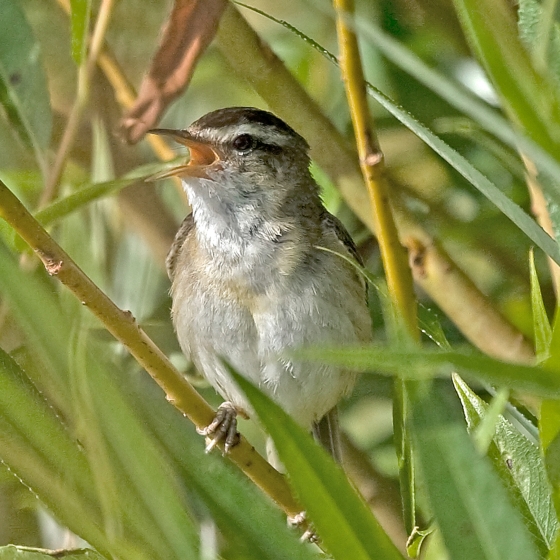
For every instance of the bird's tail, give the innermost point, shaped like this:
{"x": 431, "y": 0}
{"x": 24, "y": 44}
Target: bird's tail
{"x": 327, "y": 433}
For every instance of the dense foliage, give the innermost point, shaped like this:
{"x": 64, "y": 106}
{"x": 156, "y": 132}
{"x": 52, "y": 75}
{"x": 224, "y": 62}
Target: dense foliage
{"x": 452, "y": 445}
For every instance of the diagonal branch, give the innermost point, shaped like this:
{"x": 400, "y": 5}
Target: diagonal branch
{"x": 122, "y": 325}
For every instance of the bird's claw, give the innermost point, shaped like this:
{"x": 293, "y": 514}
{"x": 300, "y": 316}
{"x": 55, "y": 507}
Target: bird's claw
{"x": 222, "y": 428}
{"x": 300, "y": 519}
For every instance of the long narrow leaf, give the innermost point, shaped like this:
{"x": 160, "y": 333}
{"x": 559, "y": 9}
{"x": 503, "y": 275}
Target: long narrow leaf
{"x": 424, "y": 364}
{"x": 520, "y": 465}
{"x": 80, "y": 12}
{"x": 46, "y": 459}
{"x": 529, "y": 98}
{"x": 342, "y": 519}
{"x": 470, "y": 504}
{"x": 473, "y": 175}
{"x": 459, "y": 98}
{"x": 541, "y": 324}
{"x": 23, "y": 85}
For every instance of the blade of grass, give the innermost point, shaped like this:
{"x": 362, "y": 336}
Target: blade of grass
{"x": 341, "y": 518}
{"x": 528, "y": 97}
{"x": 47, "y": 460}
{"x": 80, "y": 17}
{"x": 23, "y": 84}
{"x": 519, "y": 463}
{"x": 472, "y": 508}
{"x": 424, "y": 364}
{"x": 541, "y": 324}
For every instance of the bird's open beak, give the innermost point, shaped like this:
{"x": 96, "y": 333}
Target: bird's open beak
{"x": 201, "y": 155}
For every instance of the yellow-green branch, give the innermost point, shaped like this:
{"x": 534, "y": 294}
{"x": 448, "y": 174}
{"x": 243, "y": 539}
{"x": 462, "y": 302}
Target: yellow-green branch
{"x": 122, "y": 325}
{"x": 393, "y": 255}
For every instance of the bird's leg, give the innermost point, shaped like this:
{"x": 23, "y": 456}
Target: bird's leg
{"x": 222, "y": 428}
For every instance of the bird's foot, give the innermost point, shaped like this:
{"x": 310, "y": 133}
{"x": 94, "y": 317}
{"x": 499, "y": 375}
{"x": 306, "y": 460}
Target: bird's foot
{"x": 300, "y": 520}
{"x": 222, "y": 428}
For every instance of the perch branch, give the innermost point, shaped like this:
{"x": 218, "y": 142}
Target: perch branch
{"x": 122, "y": 325}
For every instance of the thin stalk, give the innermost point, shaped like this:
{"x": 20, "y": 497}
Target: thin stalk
{"x": 393, "y": 255}
{"x": 85, "y": 73}
{"x": 395, "y": 263}
{"x": 122, "y": 325}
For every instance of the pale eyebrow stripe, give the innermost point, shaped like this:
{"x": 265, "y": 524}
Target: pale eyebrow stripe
{"x": 267, "y": 135}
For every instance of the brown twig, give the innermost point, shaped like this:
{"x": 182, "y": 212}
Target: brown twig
{"x": 539, "y": 207}
{"x": 459, "y": 298}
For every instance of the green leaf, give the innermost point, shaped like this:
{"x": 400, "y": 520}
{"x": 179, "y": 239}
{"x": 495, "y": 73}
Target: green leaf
{"x": 430, "y": 326}
{"x": 152, "y": 513}
{"x": 540, "y": 32}
{"x": 12, "y": 552}
{"x": 341, "y": 518}
{"x": 47, "y": 459}
{"x": 519, "y": 463}
{"x": 552, "y": 458}
{"x": 553, "y": 360}
{"x": 549, "y": 428}
{"x": 459, "y": 98}
{"x": 541, "y": 324}
{"x": 473, "y": 175}
{"x": 86, "y": 195}
{"x": 80, "y": 18}
{"x": 23, "y": 85}
{"x": 91, "y": 192}
{"x": 472, "y": 508}
{"x": 424, "y": 364}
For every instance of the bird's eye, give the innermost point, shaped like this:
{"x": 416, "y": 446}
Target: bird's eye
{"x": 244, "y": 143}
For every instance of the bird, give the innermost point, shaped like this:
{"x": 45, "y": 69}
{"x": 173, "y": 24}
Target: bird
{"x": 260, "y": 267}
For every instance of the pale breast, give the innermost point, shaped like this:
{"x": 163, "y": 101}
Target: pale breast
{"x": 320, "y": 300}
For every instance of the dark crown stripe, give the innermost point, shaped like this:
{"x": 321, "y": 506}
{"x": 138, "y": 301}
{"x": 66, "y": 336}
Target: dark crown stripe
{"x": 231, "y": 116}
